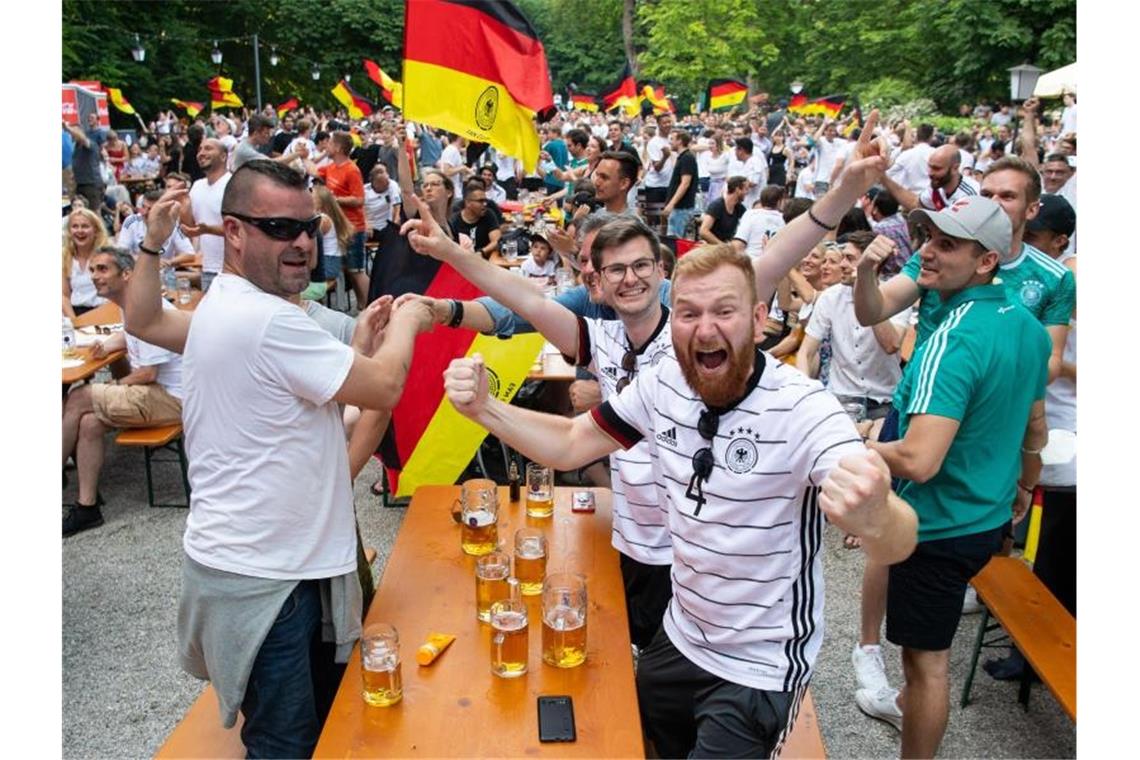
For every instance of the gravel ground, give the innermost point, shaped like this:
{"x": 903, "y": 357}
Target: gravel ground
{"x": 120, "y": 591}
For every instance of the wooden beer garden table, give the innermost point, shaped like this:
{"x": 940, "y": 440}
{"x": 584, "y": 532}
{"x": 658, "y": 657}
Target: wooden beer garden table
{"x": 456, "y": 707}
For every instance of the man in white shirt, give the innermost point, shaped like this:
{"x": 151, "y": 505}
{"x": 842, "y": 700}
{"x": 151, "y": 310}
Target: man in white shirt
{"x": 747, "y": 163}
{"x": 176, "y": 250}
{"x": 864, "y": 360}
{"x": 270, "y": 538}
{"x": 947, "y": 182}
{"x": 910, "y": 168}
{"x": 659, "y": 161}
{"x": 151, "y": 395}
{"x": 453, "y": 164}
{"x": 382, "y": 201}
{"x": 830, "y": 153}
{"x": 759, "y": 225}
{"x": 202, "y": 218}
{"x": 1069, "y": 115}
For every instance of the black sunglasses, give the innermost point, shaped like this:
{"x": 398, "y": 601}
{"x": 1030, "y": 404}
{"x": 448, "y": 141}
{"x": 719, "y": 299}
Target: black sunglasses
{"x": 703, "y": 460}
{"x": 628, "y": 364}
{"x": 281, "y": 227}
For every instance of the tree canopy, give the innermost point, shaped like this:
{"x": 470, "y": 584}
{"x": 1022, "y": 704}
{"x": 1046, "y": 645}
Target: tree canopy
{"x": 951, "y": 51}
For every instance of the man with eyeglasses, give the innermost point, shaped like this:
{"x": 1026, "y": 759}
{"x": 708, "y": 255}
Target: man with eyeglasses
{"x": 270, "y": 541}
{"x": 475, "y": 220}
{"x": 626, "y": 255}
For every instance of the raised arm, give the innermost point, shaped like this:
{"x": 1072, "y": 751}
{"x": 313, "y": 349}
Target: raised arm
{"x": 875, "y": 301}
{"x": 376, "y": 379}
{"x": 906, "y": 198}
{"x": 556, "y": 322}
{"x": 563, "y": 443}
{"x": 794, "y": 241}
{"x": 143, "y": 314}
{"x": 403, "y": 170}
{"x": 1029, "y": 133}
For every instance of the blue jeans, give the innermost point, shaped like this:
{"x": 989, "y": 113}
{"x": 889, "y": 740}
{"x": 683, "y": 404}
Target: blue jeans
{"x": 292, "y": 682}
{"x": 355, "y": 252}
{"x": 679, "y": 220}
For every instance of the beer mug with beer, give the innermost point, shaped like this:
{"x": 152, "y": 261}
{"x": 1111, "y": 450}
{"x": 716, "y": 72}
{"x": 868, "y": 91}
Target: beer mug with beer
{"x": 491, "y": 573}
{"x": 530, "y": 560}
{"x": 510, "y": 640}
{"x": 539, "y": 490}
{"x": 478, "y": 516}
{"x": 564, "y": 620}
{"x": 380, "y": 663}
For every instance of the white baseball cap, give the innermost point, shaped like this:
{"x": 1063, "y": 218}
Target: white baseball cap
{"x": 973, "y": 218}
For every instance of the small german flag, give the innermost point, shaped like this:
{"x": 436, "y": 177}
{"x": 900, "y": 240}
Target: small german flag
{"x": 829, "y": 105}
{"x": 357, "y": 106}
{"x": 392, "y": 90}
{"x": 654, "y": 94}
{"x": 222, "y": 93}
{"x": 476, "y": 68}
{"x": 726, "y": 93}
{"x": 192, "y": 109}
{"x": 623, "y": 94}
{"x": 581, "y": 101}
{"x": 117, "y": 100}
{"x": 286, "y": 107}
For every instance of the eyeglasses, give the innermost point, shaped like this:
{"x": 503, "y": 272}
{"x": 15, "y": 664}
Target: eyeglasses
{"x": 281, "y": 227}
{"x": 703, "y": 460}
{"x": 629, "y": 364}
{"x": 642, "y": 268}
{"x": 431, "y": 184}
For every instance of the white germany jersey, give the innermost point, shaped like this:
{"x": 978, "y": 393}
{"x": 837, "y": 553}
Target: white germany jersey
{"x": 747, "y": 577}
{"x": 640, "y": 530}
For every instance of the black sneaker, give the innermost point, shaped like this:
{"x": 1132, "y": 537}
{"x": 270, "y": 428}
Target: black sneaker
{"x": 79, "y": 518}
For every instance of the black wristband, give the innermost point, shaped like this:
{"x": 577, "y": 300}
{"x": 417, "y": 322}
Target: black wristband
{"x": 821, "y": 224}
{"x": 456, "y": 313}
{"x": 151, "y": 251}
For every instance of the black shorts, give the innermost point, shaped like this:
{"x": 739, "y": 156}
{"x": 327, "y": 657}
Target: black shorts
{"x": 648, "y": 589}
{"x": 687, "y": 711}
{"x": 925, "y": 591}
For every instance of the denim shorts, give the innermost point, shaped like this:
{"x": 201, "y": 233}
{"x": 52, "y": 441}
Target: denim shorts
{"x": 355, "y": 253}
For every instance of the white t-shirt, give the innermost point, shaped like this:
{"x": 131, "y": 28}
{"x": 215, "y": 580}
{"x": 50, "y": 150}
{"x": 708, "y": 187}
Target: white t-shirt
{"x": 747, "y": 572}
{"x": 82, "y": 288}
{"x": 640, "y": 519}
{"x": 716, "y": 167}
{"x": 966, "y": 158}
{"x": 143, "y": 354}
{"x": 654, "y": 151}
{"x": 755, "y": 170}
{"x": 827, "y": 155}
{"x": 271, "y": 493}
{"x": 378, "y": 206}
{"x": 910, "y": 169}
{"x": 452, "y": 157}
{"x": 206, "y": 206}
{"x": 531, "y": 269}
{"x": 859, "y": 365}
{"x": 133, "y": 233}
{"x": 1069, "y": 119}
{"x": 757, "y": 227}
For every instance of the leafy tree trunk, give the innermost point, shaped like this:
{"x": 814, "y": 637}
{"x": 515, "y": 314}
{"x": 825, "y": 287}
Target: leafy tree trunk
{"x": 627, "y": 35}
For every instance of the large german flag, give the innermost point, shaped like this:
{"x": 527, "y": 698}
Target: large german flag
{"x": 726, "y": 93}
{"x": 392, "y": 90}
{"x": 653, "y": 93}
{"x": 476, "y": 68}
{"x": 427, "y": 441}
{"x": 623, "y": 94}
{"x": 356, "y": 104}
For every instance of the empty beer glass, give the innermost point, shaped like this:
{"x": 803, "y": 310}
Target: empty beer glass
{"x": 539, "y": 490}
{"x": 564, "y": 620}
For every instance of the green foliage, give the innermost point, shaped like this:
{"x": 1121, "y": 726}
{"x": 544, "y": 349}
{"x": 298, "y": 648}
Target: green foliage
{"x": 693, "y": 41}
{"x": 879, "y": 51}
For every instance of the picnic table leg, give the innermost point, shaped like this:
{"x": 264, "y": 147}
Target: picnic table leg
{"x": 974, "y": 658}
{"x": 1023, "y": 689}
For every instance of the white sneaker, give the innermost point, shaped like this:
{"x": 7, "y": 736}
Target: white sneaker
{"x": 870, "y": 672}
{"x": 881, "y": 704}
{"x": 971, "y": 605}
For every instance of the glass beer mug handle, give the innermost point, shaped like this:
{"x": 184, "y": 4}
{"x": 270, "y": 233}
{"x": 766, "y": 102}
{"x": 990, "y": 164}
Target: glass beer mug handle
{"x": 497, "y": 640}
{"x": 457, "y": 512}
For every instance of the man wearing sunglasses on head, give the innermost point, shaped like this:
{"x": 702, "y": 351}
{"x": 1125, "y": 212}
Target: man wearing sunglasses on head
{"x": 626, "y": 257}
{"x": 270, "y": 540}
{"x": 749, "y": 458}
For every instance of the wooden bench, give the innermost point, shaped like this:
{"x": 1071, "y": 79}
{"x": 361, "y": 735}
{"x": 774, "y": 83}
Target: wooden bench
{"x": 153, "y": 439}
{"x": 1035, "y": 621}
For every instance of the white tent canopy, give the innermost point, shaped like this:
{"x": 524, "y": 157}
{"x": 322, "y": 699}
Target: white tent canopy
{"x": 1057, "y": 82}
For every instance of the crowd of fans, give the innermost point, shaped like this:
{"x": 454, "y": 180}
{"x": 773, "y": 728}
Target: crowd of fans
{"x": 926, "y": 280}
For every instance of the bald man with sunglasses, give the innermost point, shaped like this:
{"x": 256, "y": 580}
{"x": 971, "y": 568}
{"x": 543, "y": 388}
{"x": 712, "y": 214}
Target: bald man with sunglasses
{"x": 270, "y": 541}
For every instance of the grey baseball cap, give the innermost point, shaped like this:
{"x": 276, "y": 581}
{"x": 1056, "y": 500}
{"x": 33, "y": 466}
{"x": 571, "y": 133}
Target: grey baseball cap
{"x": 972, "y": 218}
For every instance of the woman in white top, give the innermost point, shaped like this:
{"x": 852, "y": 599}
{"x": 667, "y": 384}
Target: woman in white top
{"x": 85, "y": 234}
{"x": 717, "y": 167}
{"x": 336, "y": 230}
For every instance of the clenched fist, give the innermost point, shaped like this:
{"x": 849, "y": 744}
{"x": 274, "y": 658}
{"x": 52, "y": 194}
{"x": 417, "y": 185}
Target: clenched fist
{"x": 854, "y": 494}
{"x": 465, "y": 381}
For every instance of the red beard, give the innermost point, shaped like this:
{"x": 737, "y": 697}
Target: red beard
{"x": 726, "y": 387}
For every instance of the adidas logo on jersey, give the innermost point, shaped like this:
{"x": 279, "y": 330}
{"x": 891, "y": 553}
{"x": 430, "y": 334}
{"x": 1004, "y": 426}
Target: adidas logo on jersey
{"x": 668, "y": 437}
{"x": 610, "y": 371}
